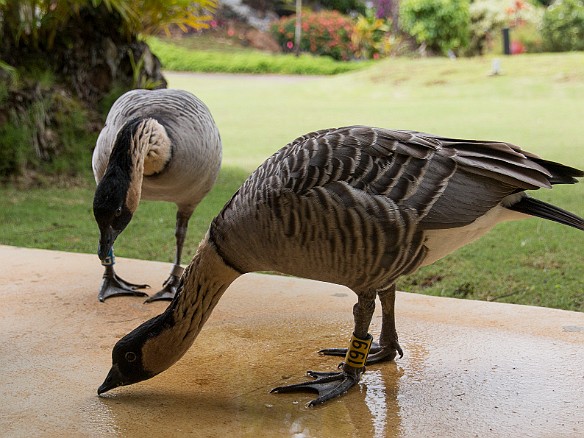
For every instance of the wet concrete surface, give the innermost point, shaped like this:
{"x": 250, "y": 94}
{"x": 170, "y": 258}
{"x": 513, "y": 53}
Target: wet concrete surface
{"x": 469, "y": 369}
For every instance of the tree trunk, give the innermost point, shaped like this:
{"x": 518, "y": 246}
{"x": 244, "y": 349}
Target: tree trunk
{"x": 394, "y": 12}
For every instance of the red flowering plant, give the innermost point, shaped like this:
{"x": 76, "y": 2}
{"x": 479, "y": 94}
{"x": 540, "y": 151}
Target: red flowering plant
{"x": 326, "y": 33}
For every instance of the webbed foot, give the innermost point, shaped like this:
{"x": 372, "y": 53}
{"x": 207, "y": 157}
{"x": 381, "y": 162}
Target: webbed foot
{"x": 330, "y": 385}
{"x": 168, "y": 291}
{"x": 112, "y": 286}
{"x": 327, "y": 385}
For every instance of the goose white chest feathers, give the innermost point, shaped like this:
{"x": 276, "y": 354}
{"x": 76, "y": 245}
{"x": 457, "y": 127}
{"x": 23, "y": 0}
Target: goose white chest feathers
{"x": 160, "y": 145}
{"x": 357, "y": 206}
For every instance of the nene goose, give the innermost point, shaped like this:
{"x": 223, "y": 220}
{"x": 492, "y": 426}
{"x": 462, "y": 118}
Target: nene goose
{"x": 357, "y": 206}
{"x": 160, "y": 145}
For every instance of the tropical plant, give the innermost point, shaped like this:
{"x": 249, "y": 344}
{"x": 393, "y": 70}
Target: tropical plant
{"x": 371, "y": 36}
{"x": 36, "y": 23}
{"x": 440, "y": 25}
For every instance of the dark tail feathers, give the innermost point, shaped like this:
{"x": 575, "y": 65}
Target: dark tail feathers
{"x": 560, "y": 174}
{"x": 535, "y": 207}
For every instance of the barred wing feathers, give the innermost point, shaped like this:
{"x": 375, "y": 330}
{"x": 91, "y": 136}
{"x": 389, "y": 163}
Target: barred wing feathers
{"x": 352, "y": 205}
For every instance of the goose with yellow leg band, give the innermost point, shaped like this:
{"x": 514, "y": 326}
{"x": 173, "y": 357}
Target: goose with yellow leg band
{"x": 356, "y": 206}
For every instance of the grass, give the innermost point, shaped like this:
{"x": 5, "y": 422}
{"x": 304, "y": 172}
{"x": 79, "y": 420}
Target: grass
{"x": 537, "y": 103}
{"x": 68, "y": 222}
{"x": 181, "y": 57}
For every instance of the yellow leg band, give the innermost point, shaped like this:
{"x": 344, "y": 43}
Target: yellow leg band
{"x": 358, "y": 351}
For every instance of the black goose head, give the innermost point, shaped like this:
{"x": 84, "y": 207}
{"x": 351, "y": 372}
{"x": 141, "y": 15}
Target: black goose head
{"x": 112, "y": 215}
{"x": 128, "y": 357}
{"x": 110, "y": 203}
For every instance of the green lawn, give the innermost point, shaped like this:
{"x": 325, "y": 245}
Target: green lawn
{"x": 179, "y": 54}
{"x": 538, "y": 103}
{"x": 62, "y": 219}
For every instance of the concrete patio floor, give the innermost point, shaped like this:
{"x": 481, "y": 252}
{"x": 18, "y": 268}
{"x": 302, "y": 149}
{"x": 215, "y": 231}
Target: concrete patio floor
{"x": 469, "y": 368}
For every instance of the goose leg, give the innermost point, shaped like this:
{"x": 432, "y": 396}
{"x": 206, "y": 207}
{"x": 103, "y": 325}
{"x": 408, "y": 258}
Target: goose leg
{"x": 388, "y": 347}
{"x": 333, "y": 384}
{"x": 170, "y": 286}
{"x": 113, "y": 285}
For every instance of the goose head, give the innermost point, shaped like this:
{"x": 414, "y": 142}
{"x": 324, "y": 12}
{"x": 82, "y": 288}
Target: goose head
{"x": 112, "y": 215}
{"x": 128, "y": 359}
{"x": 112, "y": 209}
{"x": 148, "y": 350}
{"x": 118, "y": 193}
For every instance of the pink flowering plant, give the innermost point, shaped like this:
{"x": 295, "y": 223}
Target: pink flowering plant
{"x": 326, "y": 33}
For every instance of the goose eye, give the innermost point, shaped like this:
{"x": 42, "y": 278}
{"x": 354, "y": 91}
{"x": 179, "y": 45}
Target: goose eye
{"x": 119, "y": 212}
{"x": 130, "y": 356}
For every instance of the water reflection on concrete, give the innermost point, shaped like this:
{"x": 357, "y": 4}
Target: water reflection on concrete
{"x": 382, "y": 403}
{"x": 97, "y": 416}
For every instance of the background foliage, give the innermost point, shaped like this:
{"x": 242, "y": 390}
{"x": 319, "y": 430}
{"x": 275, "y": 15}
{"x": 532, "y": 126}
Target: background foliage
{"x": 371, "y": 36}
{"x": 563, "y": 26}
{"x": 489, "y": 17}
{"x": 37, "y": 24}
{"x": 537, "y": 103}
{"x": 325, "y": 33}
{"x": 442, "y": 25}
{"x": 60, "y": 60}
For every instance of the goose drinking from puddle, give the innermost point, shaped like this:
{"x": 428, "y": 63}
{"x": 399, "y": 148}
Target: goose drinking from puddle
{"x": 160, "y": 145}
{"x": 357, "y": 206}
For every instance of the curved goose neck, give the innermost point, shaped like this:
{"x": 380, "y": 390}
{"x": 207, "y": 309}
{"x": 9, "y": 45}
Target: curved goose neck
{"x": 142, "y": 147}
{"x": 203, "y": 283}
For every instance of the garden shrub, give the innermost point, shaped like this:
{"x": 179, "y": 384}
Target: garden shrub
{"x": 323, "y": 33}
{"x": 442, "y": 25}
{"x": 563, "y": 26}
{"x": 487, "y": 18}
{"x": 529, "y": 36}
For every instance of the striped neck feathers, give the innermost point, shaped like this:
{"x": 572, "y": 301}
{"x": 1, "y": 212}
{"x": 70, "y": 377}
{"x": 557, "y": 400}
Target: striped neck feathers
{"x": 202, "y": 285}
{"x": 142, "y": 148}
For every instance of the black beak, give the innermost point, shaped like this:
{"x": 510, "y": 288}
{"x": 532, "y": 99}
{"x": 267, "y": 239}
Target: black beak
{"x": 113, "y": 380}
{"x": 107, "y": 238}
